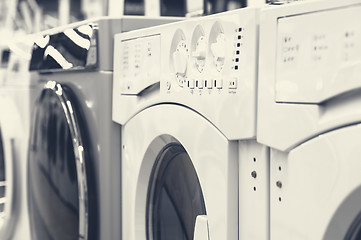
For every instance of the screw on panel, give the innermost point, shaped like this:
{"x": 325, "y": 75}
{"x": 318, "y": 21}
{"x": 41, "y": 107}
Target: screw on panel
{"x": 279, "y": 184}
{"x": 279, "y": 168}
{"x": 254, "y": 174}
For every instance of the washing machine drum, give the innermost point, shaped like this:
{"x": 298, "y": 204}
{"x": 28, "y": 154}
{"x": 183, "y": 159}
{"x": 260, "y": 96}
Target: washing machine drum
{"x": 57, "y": 168}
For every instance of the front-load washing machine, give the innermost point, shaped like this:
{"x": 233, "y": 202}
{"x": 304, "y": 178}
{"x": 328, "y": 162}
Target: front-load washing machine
{"x": 185, "y": 96}
{"x": 16, "y": 91}
{"x": 309, "y": 113}
{"x": 74, "y": 159}
{"x": 9, "y": 143}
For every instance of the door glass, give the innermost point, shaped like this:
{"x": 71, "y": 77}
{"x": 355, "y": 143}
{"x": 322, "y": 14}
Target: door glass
{"x": 354, "y": 232}
{"x": 343, "y": 225}
{"x": 175, "y": 197}
{"x": 53, "y": 186}
{"x": 2, "y": 181}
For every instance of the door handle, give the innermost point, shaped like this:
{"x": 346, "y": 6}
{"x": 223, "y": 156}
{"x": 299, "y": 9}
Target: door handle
{"x": 201, "y": 228}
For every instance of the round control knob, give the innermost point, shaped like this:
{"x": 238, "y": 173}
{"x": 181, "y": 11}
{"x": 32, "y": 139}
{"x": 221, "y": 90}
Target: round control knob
{"x": 199, "y": 53}
{"x": 218, "y": 50}
{"x": 180, "y": 61}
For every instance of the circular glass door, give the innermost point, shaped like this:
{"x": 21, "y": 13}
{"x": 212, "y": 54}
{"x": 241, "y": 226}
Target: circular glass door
{"x": 175, "y": 197}
{"x": 346, "y": 220}
{"x": 57, "y": 168}
{"x": 354, "y": 232}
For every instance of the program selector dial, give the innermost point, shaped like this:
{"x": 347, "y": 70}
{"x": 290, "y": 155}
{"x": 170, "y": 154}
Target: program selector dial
{"x": 218, "y": 50}
{"x": 180, "y": 61}
{"x": 200, "y": 53}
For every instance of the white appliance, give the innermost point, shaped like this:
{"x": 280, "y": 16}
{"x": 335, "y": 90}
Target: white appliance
{"x": 74, "y": 154}
{"x": 309, "y": 109}
{"x": 9, "y": 137}
{"x": 16, "y": 90}
{"x": 185, "y": 95}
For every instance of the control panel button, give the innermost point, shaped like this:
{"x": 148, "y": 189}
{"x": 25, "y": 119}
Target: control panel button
{"x": 208, "y": 84}
{"x": 199, "y": 84}
{"x": 190, "y": 83}
{"x": 232, "y": 83}
{"x": 218, "y": 83}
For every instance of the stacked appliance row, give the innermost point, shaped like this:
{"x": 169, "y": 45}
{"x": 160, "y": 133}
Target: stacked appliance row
{"x": 239, "y": 125}
{"x": 242, "y": 125}
{"x": 61, "y": 147}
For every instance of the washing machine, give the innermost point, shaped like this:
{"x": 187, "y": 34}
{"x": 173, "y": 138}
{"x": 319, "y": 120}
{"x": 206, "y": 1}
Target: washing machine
{"x": 9, "y": 141}
{"x": 74, "y": 155}
{"x": 185, "y": 96}
{"x": 7, "y": 136}
{"x": 15, "y": 91}
{"x": 309, "y": 114}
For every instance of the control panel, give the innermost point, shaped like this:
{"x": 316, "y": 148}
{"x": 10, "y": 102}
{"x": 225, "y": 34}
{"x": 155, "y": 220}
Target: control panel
{"x": 201, "y": 63}
{"x": 140, "y": 63}
{"x": 318, "y": 55}
{"x": 208, "y": 64}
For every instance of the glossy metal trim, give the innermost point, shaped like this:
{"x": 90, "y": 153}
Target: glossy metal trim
{"x": 79, "y": 155}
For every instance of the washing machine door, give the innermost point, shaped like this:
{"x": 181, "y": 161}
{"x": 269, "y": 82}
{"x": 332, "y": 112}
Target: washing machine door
{"x": 175, "y": 197}
{"x": 347, "y": 218}
{"x": 57, "y": 168}
{"x": 320, "y": 195}
{"x": 179, "y": 177}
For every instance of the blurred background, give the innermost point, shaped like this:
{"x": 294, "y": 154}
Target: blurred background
{"x": 23, "y": 17}
{"x": 29, "y": 16}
